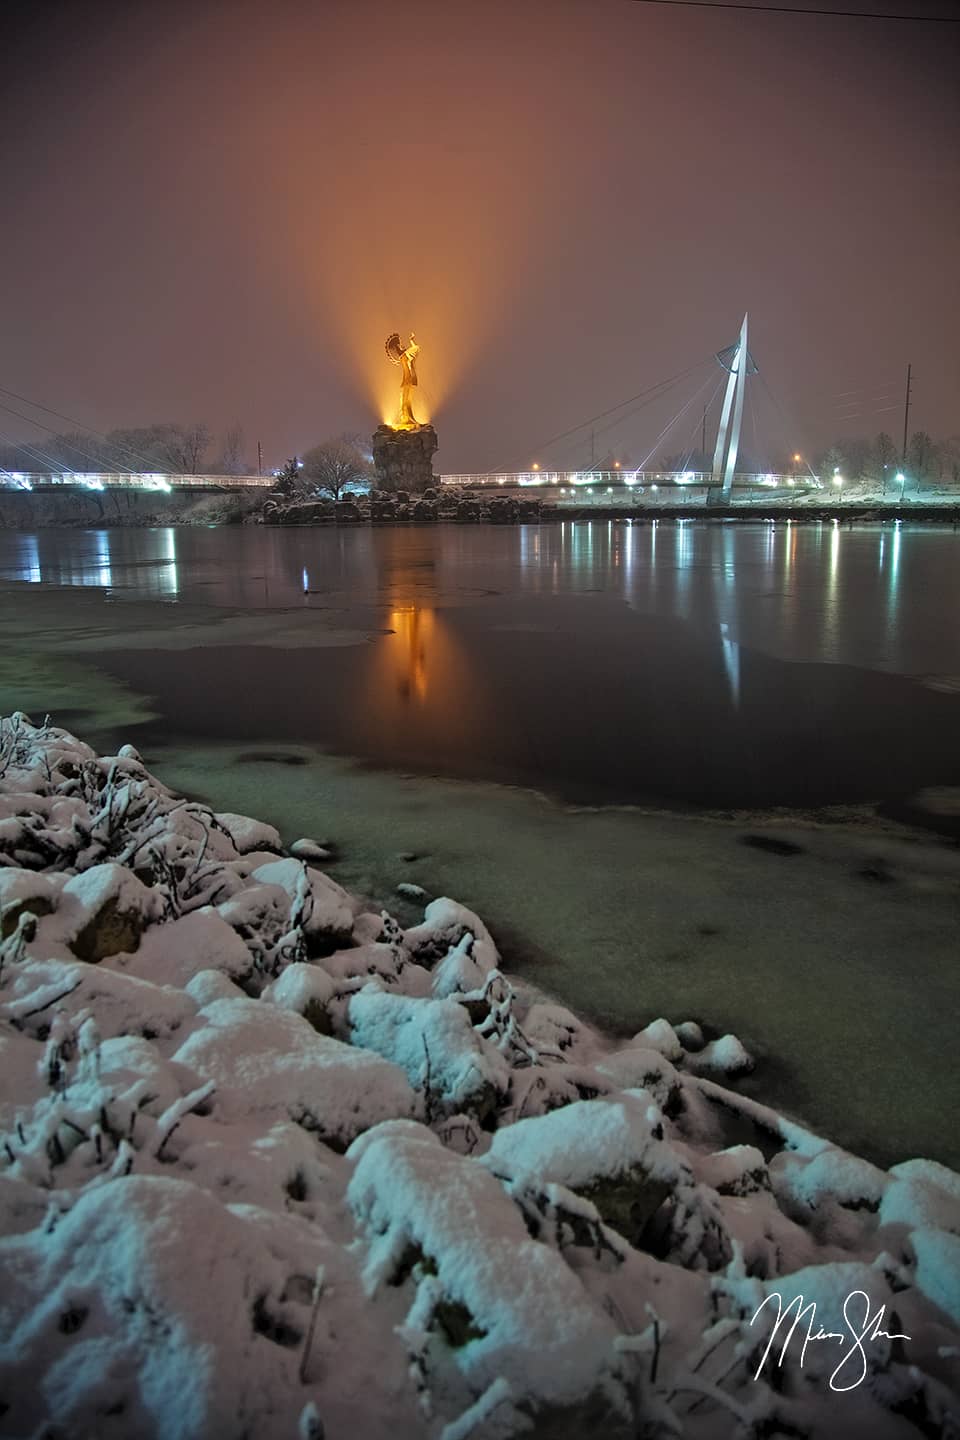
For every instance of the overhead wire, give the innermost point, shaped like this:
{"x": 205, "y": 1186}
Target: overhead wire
{"x": 798, "y": 10}
{"x": 784, "y": 421}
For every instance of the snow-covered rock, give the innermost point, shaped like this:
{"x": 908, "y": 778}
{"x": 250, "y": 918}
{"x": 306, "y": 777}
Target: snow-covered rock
{"x": 435, "y": 1045}
{"x": 936, "y": 1256}
{"x": 247, "y": 834}
{"x": 174, "y": 953}
{"x": 610, "y": 1151}
{"x": 268, "y": 1061}
{"x": 149, "y": 1303}
{"x": 660, "y": 1035}
{"x": 489, "y": 1302}
{"x": 183, "y": 1255}
{"x": 725, "y": 1056}
{"x": 101, "y": 912}
{"x": 307, "y": 989}
{"x": 306, "y": 849}
{"x": 445, "y": 922}
{"x": 642, "y": 1069}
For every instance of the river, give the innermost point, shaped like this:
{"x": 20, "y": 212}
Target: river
{"x": 585, "y": 730}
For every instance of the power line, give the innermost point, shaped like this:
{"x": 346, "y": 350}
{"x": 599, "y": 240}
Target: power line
{"x": 799, "y": 10}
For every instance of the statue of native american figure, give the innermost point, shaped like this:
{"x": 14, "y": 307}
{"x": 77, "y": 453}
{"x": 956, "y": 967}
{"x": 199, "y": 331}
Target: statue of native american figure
{"x": 406, "y": 358}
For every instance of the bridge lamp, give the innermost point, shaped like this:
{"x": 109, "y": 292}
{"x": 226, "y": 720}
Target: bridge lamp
{"x": 616, "y": 464}
{"x": 534, "y": 466}
{"x": 654, "y": 487}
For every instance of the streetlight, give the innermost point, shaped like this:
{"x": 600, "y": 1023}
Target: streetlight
{"x": 901, "y": 480}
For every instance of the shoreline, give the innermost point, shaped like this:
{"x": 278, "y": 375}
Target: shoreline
{"x": 945, "y": 512}
{"x": 283, "y": 1121}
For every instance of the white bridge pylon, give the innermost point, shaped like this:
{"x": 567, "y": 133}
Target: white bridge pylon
{"x": 738, "y": 361}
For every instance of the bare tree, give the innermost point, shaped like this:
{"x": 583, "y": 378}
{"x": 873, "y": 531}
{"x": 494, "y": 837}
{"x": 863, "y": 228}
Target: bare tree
{"x": 232, "y": 449}
{"x": 920, "y": 456}
{"x": 187, "y": 446}
{"x": 883, "y": 459}
{"x": 831, "y": 463}
{"x": 337, "y": 466}
{"x": 949, "y": 452}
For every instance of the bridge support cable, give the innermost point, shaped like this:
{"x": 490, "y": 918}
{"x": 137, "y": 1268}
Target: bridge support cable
{"x": 688, "y": 449}
{"x": 83, "y": 429}
{"x": 46, "y": 461}
{"x": 58, "y": 465}
{"x": 639, "y": 401}
{"x": 698, "y": 395}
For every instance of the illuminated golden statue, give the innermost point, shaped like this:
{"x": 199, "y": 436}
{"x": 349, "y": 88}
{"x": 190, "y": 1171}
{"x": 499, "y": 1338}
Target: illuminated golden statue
{"x": 406, "y": 358}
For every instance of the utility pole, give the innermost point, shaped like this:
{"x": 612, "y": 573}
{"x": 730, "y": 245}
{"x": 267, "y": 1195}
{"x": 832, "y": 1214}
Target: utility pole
{"x": 906, "y": 415}
{"x": 259, "y": 458}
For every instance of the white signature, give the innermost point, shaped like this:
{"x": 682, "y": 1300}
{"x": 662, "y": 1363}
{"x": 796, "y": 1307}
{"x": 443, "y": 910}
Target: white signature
{"x": 859, "y": 1331}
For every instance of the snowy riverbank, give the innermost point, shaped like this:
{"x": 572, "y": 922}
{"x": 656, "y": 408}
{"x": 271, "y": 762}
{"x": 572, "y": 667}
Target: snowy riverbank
{"x": 271, "y": 1164}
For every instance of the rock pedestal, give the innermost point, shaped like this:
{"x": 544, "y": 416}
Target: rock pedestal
{"x": 404, "y": 458}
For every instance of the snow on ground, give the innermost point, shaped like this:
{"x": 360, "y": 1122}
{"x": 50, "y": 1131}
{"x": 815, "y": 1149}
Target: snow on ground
{"x": 272, "y": 1165}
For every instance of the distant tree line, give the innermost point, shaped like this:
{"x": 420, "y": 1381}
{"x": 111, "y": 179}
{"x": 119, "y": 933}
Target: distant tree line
{"x": 165, "y": 449}
{"x": 874, "y": 462}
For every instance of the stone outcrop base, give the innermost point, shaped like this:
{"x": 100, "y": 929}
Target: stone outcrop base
{"x": 404, "y": 458}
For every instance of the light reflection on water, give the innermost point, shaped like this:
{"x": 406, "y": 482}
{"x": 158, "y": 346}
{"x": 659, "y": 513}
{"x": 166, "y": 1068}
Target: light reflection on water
{"x": 882, "y": 596}
{"x": 598, "y": 660}
{"x": 102, "y": 559}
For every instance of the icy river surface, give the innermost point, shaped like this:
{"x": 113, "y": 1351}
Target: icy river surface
{"x": 799, "y": 682}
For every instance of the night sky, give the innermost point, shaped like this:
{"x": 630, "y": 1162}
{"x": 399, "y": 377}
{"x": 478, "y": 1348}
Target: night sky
{"x": 218, "y": 212}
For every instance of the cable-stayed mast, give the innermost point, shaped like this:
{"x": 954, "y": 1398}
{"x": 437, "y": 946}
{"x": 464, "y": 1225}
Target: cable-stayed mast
{"x": 737, "y": 360}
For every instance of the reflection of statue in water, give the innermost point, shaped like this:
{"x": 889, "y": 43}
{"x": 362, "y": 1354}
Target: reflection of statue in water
{"x": 407, "y": 360}
{"x": 413, "y": 626}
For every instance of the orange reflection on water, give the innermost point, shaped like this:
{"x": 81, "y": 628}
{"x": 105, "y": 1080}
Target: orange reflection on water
{"x": 420, "y": 688}
{"x": 414, "y": 626}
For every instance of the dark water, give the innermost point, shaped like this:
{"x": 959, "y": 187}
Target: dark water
{"x": 678, "y": 663}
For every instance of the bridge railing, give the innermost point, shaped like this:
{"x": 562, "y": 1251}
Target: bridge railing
{"x": 104, "y": 480}
{"x": 578, "y": 482}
